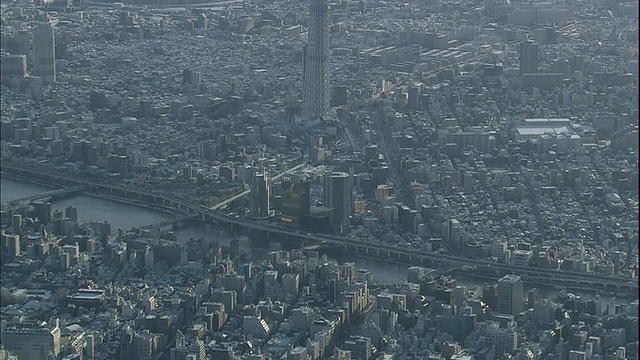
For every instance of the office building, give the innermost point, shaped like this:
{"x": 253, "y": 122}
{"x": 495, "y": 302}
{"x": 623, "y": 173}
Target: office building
{"x": 28, "y": 342}
{"x": 528, "y": 57}
{"x": 222, "y": 352}
{"x": 117, "y": 164}
{"x": 301, "y": 318}
{"x": 359, "y": 346}
{"x": 44, "y": 57}
{"x": 146, "y": 345}
{"x": 13, "y": 67}
{"x": 505, "y": 340}
{"x": 290, "y": 283}
{"x": 316, "y": 100}
{"x": 256, "y": 326}
{"x": 259, "y": 197}
{"x": 337, "y": 196}
{"x": 510, "y": 295}
{"x": 71, "y": 213}
{"x": 296, "y": 200}
{"x": 43, "y": 211}
{"x": 414, "y": 94}
{"x": 184, "y": 348}
{"x": 11, "y": 245}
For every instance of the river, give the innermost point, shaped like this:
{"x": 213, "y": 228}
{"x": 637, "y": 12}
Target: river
{"x": 126, "y": 216}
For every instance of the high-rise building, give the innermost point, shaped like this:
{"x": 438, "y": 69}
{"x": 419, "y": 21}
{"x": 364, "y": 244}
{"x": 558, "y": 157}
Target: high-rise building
{"x": 259, "y": 196}
{"x": 43, "y": 211}
{"x": 316, "y": 95}
{"x": 337, "y": 196}
{"x": 296, "y": 200}
{"x": 24, "y": 41}
{"x": 510, "y": 295}
{"x": 44, "y": 56}
{"x": 528, "y": 57}
{"x": 71, "y": 213}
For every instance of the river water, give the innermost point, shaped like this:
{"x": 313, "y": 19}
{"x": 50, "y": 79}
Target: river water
{"x": 126, "y": 216}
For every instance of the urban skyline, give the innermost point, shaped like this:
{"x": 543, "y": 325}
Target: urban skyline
{"x": 307, "y": 180}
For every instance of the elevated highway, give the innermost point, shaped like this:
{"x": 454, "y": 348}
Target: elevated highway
{"x": 52, "y": 193}
{"x": 380, "y": 251}
{"x": 224, "y": 203}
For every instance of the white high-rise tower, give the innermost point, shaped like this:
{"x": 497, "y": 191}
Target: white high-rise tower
{"x": 316, "y": 63}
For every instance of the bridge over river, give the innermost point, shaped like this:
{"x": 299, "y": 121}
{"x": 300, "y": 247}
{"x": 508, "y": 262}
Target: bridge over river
{"x": 375, "y": 250}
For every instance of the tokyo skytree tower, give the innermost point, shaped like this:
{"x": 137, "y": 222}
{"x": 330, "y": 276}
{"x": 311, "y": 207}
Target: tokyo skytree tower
{"x": 316, "y": 63}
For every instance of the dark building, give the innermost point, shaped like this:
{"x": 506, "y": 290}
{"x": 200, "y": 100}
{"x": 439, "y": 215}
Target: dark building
{"x": 337, "y": 196}
{"x": 71, "y": 213}
{"x": 360, "y": 347}
{"x": 90, "y": 298}
{"x": 528, "y": 57}
{"x": 97, "y": 100}
{"x": 510, "y": 295}
{"x": 13, "y": 68}
{"x": 44, "y": 58}
{"x": 414, "y": 94}
{"x": 339, "y": 96}
{"x": 228, "y": 173}
{"x": 259, "y": 197}
{"x": 318, "y": 221}
{"x": 222, "y": 353}
{"x": 296, "y": 200}
{"x": 43, "y": 211}
{"x": 117, "y": 164}
{"x": 332, "y": 290}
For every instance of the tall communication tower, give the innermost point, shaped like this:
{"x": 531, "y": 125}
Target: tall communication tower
{"x": 316, "y": 63}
